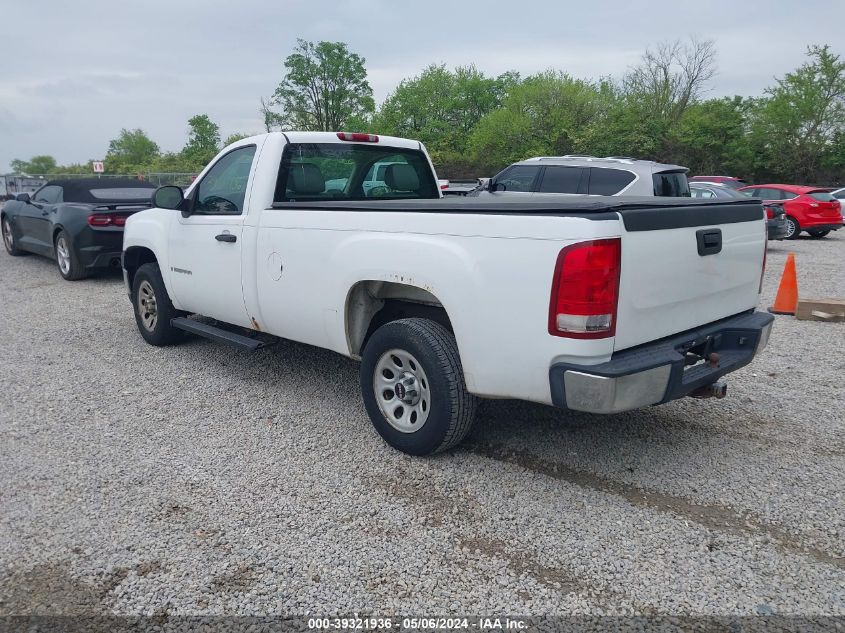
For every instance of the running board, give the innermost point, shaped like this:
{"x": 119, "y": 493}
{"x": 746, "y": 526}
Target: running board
{"x": 217, "y": 334}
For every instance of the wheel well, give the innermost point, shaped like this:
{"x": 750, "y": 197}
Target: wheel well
{"x": 371, "y": 304}
{"x": 134, "y": 257}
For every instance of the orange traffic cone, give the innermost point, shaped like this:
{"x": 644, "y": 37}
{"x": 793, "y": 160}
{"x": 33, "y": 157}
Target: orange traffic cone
{"x": 786, "y": 300}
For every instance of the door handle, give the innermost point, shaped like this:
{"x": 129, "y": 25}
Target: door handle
{"x": 226, "y": 237}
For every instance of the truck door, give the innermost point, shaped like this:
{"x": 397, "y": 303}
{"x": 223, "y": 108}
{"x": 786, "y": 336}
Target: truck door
{"x": 205, "y": 247}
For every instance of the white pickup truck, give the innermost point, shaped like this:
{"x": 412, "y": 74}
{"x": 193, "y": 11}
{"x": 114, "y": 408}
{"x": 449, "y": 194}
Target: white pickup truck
{"x": 594, "y": 304}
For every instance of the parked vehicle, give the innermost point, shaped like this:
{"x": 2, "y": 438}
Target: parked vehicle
{"x": 13, "y": 184}
{"x": 808, "y": 209}
{"x": 595, "y": 304}
{"x": 775, "y": 215}
{"x": 728, "y": 181}
{"x": 586, "y": 175}
{"x": 79, "y": 223}
{"x": 462, "y": 187}
{"x": 839, "y": 194}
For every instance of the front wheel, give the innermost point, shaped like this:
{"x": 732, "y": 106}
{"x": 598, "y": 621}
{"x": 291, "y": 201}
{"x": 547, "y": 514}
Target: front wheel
{"x": 9, "y": 239}
{"x": 793, "y": 229}
{"x": 413, "y": 387}
{"x": 66, "y": 259}
{"x": 817, "y": 234}
{"x": 153, "y": 308}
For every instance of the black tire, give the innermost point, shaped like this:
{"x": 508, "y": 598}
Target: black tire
{"x": 67, "y": 260}
{"x": 9, "y": 240}
{"x": 793, "y": 226}
{"x": 817, "y": 235}
{"x": 452, "y": 408}
{"x": 156, "y": 331}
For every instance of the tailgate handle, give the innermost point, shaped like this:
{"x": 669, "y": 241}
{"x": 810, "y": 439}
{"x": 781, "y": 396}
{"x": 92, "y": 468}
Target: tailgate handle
{"x": 709, "y": 241}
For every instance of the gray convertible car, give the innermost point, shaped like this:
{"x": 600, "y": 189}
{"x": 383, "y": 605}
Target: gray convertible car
{"x": 77, "y": 222}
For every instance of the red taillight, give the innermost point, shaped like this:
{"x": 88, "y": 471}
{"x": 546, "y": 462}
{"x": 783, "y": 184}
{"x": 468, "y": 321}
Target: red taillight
{"x": 358, "y": 136}
{"x": 585, "y": 290}
{"x": 769, "y": 213}
{"x": 99, "y": 220}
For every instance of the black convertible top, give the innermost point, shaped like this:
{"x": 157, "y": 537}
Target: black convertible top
{"x": 111, "y": 190}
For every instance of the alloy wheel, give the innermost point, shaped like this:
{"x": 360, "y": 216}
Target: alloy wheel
{"x": 63, "y": 255}
{"x": 790, "y": 227}
{"x": 8, "y": 238}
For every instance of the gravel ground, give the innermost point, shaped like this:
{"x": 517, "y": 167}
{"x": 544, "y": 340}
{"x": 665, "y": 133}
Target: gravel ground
{"x": 201, "y": 480}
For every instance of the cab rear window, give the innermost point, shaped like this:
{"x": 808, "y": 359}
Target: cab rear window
{"x": 671, "y": 184}
{"x": 333, "y": 171}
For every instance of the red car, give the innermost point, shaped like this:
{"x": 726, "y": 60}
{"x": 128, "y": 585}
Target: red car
{"x": 807, "y": 208}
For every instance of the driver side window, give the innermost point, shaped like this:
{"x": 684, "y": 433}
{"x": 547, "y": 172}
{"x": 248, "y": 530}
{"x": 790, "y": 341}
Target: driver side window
{"x": 223, "y": 189}
{"x": 51, "y": 194}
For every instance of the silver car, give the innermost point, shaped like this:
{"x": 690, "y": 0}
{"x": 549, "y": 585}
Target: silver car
{"x": 588, "y": 175}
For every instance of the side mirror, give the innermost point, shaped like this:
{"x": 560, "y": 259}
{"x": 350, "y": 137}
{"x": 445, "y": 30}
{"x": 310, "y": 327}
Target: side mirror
{"x": 169, "y": 197}
{"x": 23, "y": 197}
{"x": 497, "y": 186}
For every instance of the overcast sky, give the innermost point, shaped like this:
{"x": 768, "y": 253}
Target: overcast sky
{"x": 75, "y": 73}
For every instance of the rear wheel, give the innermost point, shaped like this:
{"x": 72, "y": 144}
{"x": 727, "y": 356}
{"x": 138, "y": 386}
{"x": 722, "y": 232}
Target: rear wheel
{"x": 9, "y": 239}
{"x": 817, "y": 234}
{"x": 153, "y": 308}
{"x": 413, "y": 387}
{"x": 793, "y": 229}
{"x": 66, "y": 259}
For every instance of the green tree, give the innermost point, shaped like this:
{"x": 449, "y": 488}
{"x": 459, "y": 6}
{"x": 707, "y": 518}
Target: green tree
{"x": 43, "y": 164}
{"x": 794, "y": 130}
{"x": 647, "y": 106}
{"x": 711, "y": 137}
{"x": 131, "y": 152}
{"x": 550, "y": 113}
{"x": 441, "y": 107}
{"x": 234, "y": 137}
{"x": 203, "y": 139}
{"x": 324, "y": 87}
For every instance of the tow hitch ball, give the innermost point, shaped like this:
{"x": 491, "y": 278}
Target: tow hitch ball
{"x": 718, "y": 389}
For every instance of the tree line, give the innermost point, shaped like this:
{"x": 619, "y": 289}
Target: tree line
{"x": 474, "y": 124}
{"x": 134, "y": 152}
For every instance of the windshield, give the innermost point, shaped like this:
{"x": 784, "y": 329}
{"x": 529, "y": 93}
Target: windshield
{"x": 821, "y": 196}
{"x": 334, "y": 171}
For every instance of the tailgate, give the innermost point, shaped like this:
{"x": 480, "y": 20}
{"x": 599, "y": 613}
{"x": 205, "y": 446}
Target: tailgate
{"x": 676, "y": 277}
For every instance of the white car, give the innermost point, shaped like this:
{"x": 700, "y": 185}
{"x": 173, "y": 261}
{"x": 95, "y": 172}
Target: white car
{"x": 587, "y": 175}
{"x": 595, "y": 304}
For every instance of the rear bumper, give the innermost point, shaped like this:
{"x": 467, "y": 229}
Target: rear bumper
{"x": 98, "y": 249}
{"x": 776, "y": 227}
{"x": 822, "y": 227}
{"x": 658, "y": 372}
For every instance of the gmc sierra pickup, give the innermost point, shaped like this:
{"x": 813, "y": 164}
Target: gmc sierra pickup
{"x": 594, "y": 304}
